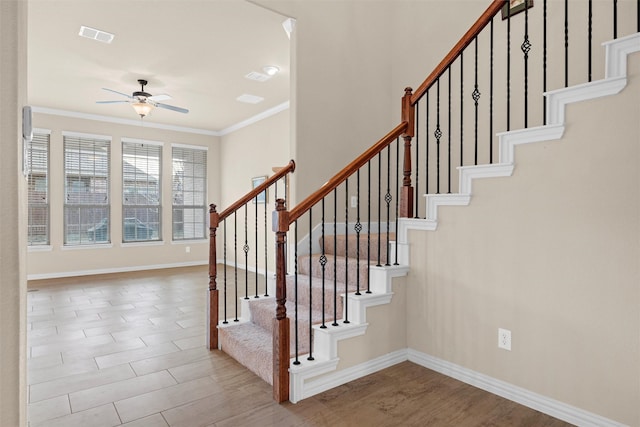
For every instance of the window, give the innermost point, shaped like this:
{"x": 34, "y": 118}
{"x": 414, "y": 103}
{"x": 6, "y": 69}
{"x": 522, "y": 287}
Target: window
{"x": 86, "y": 206}
{"x": 189, "y": 192}
{"x": 37, "y": 165}
{"x": 141, "y": 182}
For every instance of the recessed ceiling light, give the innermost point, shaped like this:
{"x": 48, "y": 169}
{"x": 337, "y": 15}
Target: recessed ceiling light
{"x": 271, "y": 70}
{"x": 250, "y": 99}
{"x": 99, "y": 35}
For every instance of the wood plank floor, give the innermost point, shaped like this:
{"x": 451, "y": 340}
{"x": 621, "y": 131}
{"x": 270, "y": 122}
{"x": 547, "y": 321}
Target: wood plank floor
{"x": 128, "y": 349}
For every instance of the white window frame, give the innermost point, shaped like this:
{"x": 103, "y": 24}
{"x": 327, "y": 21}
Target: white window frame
{"x": 38, "y": 182}
{"x": 189, "y": 195}
{"x": 150, "y": 210}
{"x": 92, "y": 227}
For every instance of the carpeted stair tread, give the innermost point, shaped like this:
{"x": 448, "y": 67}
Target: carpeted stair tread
{"x": 251, "y": 343}
{"x": 342, "y": 244}
{"x": 251, "y": 346}
{"x": 263, "y": 313}
{"x": 310, "y": 266}
{"x": 316, "y": 291}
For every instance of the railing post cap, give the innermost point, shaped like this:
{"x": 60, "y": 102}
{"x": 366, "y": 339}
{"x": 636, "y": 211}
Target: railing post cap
{"x": 280, "y": 220}
{"x": 212, "y": 208}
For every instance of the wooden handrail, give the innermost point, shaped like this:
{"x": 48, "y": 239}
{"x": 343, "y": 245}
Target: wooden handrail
{"x": 346, "y": 172}
{"x": 465, "y": 41}
{"x": 290, "y": 167}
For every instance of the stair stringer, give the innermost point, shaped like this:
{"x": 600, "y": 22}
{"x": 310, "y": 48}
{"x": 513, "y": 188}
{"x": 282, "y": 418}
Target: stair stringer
{"x": 306, "y": 378}
{"x": 616, "y": 52}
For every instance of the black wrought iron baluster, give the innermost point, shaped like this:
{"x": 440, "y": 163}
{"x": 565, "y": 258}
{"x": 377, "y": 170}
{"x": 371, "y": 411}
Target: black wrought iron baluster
{"x": 417, "y": 143}
{"x": 369, "y": 226}
{"x": 438, "y": 134}
{"x": 387, "y": 200}
{"x": 323, "y": 264}
{"x": 245, "y": 248}
{"x": 295, "y": 289}
{"x": 266, "y": 250}
{"x": 235, "y": 260}
{"x": 526, "y": 47}
{"x": 449, "y": 134}
{"x": 335, "y": 256}
{"x": 590, "y": 35}
{"x": 275, "y": 191}
{"x": 509, "y": 68}
{"x": 638, "y": 16}
{"x": 491, "y": 92}
{"x": 615, "y": 19}
{"x": 346, "y": 250}
{"x": 475, "y": 95}
{"x": 566, "y": 43}
{"x": 256, "y": 246}
{"x": 397, "y": 195}
{"x": 426, "y": 162}
{"x": 379, "y": 204}
{"x": 461, "y": 107}
{"x": 358, "y": 229}
{"x": 224, "y": 259}
{"x": 544, "y": 61}
{"x": 310, "y": 357}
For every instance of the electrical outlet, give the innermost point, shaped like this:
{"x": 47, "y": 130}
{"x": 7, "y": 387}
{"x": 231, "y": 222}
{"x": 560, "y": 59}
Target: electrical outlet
{"x": 187, "y": 249}
{"x": 354, "y": 202}
{"x": 504, "y": 339}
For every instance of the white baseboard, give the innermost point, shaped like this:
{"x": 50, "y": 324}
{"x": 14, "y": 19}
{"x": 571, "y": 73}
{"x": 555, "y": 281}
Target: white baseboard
{"x": 536, "y": 401}
{"x": 113, "y": 270}
{"x": 318, "y": 385}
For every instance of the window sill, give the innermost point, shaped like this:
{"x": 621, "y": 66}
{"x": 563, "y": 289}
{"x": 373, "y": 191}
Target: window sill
{"x": 189, "y": 242}
{"x": 39, "y": 248}
{"x": 136, "y": 244}
{"x": 79, "y": 247}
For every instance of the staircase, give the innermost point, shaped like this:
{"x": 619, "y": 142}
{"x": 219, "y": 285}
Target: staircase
{"x": 297, "y": 350}
{"x": 250, "y": 341}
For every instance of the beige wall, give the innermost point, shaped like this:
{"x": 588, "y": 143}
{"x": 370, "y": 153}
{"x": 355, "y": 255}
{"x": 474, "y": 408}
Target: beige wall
{"x": 553, "y": 254}
{"x": 61, "y": 261}
{"x": 340, "y": 84}
{"x": 13, "y": 91}
{"x": 246, "y": 153}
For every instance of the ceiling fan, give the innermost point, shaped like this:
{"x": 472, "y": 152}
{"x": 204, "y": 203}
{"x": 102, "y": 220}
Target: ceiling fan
{"x": 143, "y": 102}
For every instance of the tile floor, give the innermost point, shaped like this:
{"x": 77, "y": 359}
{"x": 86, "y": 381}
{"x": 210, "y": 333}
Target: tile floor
{"x": 129, "y": 349}
{"x": 126, "y": 349}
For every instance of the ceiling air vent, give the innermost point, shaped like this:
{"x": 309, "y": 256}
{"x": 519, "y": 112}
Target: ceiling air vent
{"x": 259, "y": 77}
{"x": 250, "y": 99}
{"x": 92, "y": 33}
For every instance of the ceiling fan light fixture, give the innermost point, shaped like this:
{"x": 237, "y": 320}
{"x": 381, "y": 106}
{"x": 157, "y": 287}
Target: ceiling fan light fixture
{"x": 142, "y": 108}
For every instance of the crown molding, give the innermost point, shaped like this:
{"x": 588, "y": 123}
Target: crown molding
{"x": 251, "y": 120}
{"x": 97, "y": 117}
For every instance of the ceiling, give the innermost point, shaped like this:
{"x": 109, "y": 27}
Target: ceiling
{"x": 197, "y": 51}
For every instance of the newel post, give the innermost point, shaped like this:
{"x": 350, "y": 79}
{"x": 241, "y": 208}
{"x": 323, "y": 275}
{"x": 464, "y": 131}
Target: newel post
{"x": 212, "y": 300}
{"x": 408, "y": 115}
{"x": 281, "y": 351}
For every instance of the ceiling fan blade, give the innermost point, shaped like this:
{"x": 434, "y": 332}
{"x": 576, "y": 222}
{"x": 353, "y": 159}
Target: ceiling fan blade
{"x": 112, "y": 102}
{"x": 171, "y": 107}
{"x": 115, "y": 91}
{"x": 159, "y": 97}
